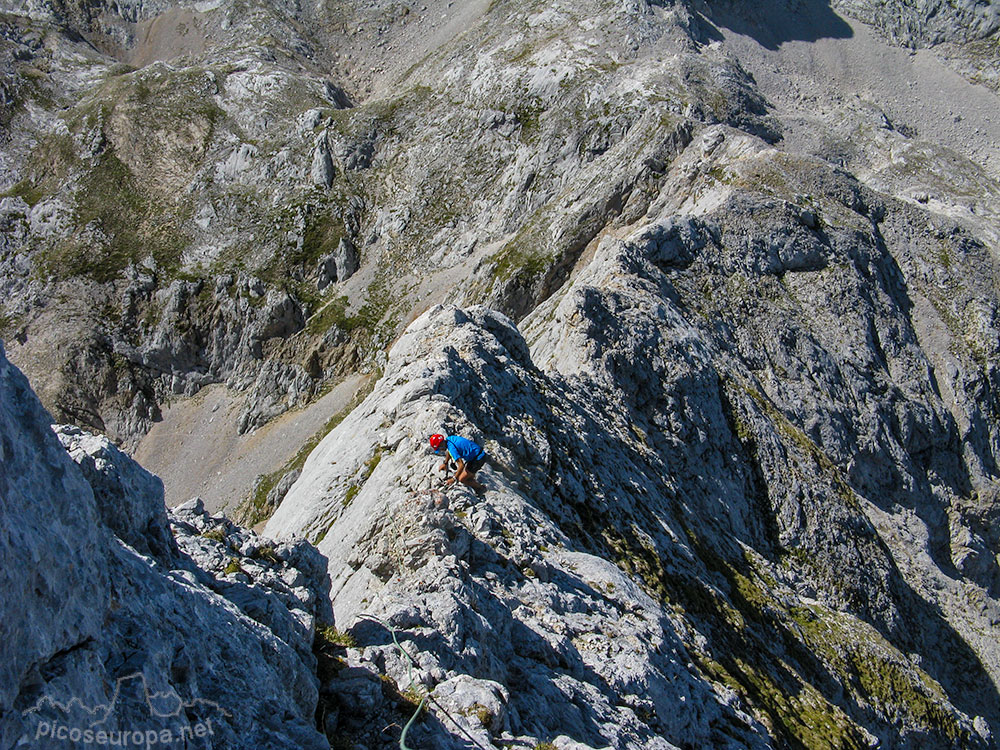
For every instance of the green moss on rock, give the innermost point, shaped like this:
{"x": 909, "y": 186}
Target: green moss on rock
{"x": 116, "y": 223}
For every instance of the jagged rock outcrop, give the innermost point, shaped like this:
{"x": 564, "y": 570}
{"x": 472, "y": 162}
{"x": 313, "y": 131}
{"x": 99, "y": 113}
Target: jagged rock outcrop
{"x": 321, "y": 171}
{"x": 116, "y": 621}
{"x": 129, "y": 499}
{"x": 927, "y": 23}
{"x": 628, "y": 559}
{"x": 339, "y": 265}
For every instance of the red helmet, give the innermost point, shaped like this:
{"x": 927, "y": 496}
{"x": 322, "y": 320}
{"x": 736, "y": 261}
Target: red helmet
{"x": 436, "y": 441}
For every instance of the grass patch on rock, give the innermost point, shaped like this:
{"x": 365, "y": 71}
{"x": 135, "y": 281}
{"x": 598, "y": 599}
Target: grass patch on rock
{"x": 328, "y": 635}
{"x": 117, "y": 223}
{"x": 255, "y": 508}
{"x": 217, "y": 534}
{"x": 233, "y": 567}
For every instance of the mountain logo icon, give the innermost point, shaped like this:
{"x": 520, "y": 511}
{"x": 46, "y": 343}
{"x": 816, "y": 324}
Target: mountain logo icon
{"x": 154, "y": 717}
{"x": 163, "y": 705}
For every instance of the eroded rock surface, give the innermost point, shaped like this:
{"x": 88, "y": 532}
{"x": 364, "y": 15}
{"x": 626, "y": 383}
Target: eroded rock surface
{"x": 662, "y": 552}
{"x": 117, "y": 618}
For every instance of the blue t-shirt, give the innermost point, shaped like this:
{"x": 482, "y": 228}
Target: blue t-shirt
{"x": 463, "y": 448}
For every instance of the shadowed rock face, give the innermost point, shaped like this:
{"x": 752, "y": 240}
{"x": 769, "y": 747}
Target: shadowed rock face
{"x": 117, "y": 620}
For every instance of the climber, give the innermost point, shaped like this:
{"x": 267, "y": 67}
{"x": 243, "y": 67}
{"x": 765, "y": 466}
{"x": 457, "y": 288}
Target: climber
{"x": 467, "y": 455}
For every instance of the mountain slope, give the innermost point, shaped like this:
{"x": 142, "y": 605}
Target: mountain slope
{"x": 722, "y": 285}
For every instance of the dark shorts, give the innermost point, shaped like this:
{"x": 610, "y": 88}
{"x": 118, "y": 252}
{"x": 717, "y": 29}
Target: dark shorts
{"x": 476, "y": 464}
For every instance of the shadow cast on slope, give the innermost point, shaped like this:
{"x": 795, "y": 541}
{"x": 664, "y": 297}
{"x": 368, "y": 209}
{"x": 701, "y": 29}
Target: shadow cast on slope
{"x": 946, "y": 656}
{"x": 774, "y": 24}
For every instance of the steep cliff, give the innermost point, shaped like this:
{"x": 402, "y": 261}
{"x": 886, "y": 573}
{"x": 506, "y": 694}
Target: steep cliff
{"x": 120, "y": 620}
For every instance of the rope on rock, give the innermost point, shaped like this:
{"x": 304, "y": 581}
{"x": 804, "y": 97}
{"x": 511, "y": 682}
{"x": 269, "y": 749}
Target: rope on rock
{"x": 427, "y": 695}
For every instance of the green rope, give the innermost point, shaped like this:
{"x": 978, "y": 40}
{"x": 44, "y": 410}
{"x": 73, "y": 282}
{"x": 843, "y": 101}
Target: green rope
{"x": 427, "y": 695}
{"x": 402, "y": 737}
{"x": 411, "y": 662}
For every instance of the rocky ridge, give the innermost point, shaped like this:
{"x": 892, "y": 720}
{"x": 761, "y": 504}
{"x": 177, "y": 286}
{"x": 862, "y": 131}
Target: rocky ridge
{"x": 617, "y": 570}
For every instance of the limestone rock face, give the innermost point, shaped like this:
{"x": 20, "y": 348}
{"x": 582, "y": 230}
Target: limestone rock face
{"x": 129, "y": 499}
{"x": 625, "y": 558}
{"x": 50, "y": 526}
{"x": 339, "y": 265}
{"x": 117, "y": 620}
{"x": 321, "y": 172}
